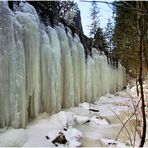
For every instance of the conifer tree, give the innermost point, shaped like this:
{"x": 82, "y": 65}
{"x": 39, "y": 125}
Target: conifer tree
{"x": 96, "y": 32}
{"x": 94, "y": 15}
{"x": 109, "y": 35}
{"x": 100, "y": 41}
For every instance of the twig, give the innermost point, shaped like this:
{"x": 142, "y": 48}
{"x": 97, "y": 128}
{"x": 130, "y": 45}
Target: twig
{"x": 125, "y": 128}
{"x": 128, "y": 120}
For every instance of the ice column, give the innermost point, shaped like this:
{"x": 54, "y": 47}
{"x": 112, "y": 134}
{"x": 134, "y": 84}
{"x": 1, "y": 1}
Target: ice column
{"x": 30, "y": 21}
{"x": 76, "y": 69}
{"x": 56, "y": 76}
{"x": 12, "y": 73}
{"x": 81, "y": 64}
{"x": 67, "y": 69}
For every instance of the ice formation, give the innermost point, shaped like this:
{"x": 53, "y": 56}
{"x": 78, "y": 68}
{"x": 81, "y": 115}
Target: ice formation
{"x": 44, "y": 69}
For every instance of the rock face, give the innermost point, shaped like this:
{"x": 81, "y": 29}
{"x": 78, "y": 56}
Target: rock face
{"x": 43, "y": 69}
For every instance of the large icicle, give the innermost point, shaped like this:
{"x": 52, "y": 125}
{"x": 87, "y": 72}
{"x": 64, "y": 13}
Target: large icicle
{"x": 30, "y": 21}
{"x": 12, "y": 73}
{"x": 81, "y": 64}
{"x": 97, "y": 86}
{"x": 67, "y": 69}
{"x": 56, "y": 77}
{"x": 89, "y": 79}
{"x": 76, "y": 70}
{"x": 46, "y": 65}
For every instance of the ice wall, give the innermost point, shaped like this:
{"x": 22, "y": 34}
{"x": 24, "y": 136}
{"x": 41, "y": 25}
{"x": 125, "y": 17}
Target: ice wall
{"x": 13, "y": 102}
{"x": 44, "y": 69}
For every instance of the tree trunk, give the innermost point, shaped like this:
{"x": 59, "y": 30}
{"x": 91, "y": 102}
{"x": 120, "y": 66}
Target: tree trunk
{"x": 137, "y": 89}
{"x": 143, "y": 135}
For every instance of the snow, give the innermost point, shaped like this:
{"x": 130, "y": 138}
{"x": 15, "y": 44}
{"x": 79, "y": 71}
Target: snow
{"x": 98, "y": 121}
{"x": 77, "y": 124}
{"x": 113, "y": 143}
{"x": 13, "y": 138}
{"x": 81, "y": 119}
{"x": 72, "y": 134}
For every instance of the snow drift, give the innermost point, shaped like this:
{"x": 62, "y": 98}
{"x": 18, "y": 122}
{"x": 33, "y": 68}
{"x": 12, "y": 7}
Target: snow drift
{"x": 43, "y": 69}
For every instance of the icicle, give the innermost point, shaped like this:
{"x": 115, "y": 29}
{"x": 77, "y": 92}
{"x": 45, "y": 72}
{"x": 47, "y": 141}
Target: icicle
{"x": 30, "y": 21}
{"x": 90, "y": 79}
{"x": 12, "y": 74}
{"x": 54, "y": 40}
{"x": 76, "y": 70}
{"x": 81, "y": 64}
{"x": 67, "y": 69}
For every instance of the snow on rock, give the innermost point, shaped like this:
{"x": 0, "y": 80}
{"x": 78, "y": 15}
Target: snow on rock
{"x": 84, "y": 105}
{"x": 81, "y": 119}
{"x": 89, "y": 106}
{"x": 70, "y": 137}
{"x": 72, "y": 134}
{"x": 112, "y": 143}
{"x": 112, "y": 99}
{"x": 109, "y": 109}
{"x": 74, "y": 143}
{"x": 96, "y": 120}
{"x": 62, "y": 120}
{"x": 52, "y": 135}
{"x": 13, "y": 138}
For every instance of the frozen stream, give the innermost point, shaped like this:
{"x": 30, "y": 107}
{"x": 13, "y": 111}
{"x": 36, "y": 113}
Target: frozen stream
{"x": 98, "y": 132}
{"x": 93, "y": 132}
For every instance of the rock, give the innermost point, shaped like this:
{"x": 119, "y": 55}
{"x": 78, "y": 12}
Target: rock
{"x": 60, "y": 139}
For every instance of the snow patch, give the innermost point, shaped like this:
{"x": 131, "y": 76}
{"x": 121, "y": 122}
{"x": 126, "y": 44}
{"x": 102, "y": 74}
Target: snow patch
{"x": 13, "y": 137}
{"x": 81, "y": 119}
{"x": 95, "y": 120}
{"x": 112, "y": 143}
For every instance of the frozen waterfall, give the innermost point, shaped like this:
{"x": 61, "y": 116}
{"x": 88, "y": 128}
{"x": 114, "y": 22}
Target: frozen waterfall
{"x": 44, "y": 69}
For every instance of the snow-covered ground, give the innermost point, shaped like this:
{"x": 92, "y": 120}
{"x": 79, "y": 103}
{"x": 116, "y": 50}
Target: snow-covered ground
{"x": 87, "y": 125}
